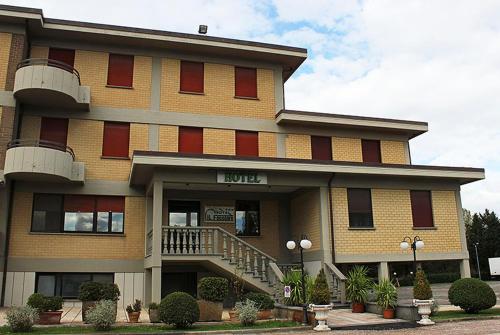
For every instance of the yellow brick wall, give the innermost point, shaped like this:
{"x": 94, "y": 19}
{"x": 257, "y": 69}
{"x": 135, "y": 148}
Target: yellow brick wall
{"x": 392, "y": 221}
{"x": 218, "y": 97}
{"x": 219, "y": 141}
{"x": 168, "y": 138}
{"x": 79, "y": 133}
{"x": 30, "y": 127}
{"x": 347, "y": 149}
{"x": 305, "y": 217}
{"x": 24, "y": 244}
{"x": 5, "y": 41}
{"x": 39, "y": 52}
{"x": 393, "y": 152}
{"x": 298, "y": 146}
{"x": 267, "y": 144}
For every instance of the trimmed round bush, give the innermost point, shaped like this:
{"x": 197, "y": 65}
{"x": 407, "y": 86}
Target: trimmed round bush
{"x": 90, "y": 291}
{"x": 110, "y": 291}
{"x": 472, "y": 295}
{"x": 262, "y": 300}
{"x": 179, "y": 309}
{"x": 43, "y": 303}
{"x": 213, "y": 288}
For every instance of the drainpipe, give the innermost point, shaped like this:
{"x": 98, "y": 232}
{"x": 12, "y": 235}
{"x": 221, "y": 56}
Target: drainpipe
{"x": 330, "y": 198}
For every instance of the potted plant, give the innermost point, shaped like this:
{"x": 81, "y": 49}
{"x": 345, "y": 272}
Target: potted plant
{"x": 357, "y": 286}
{"x": 92, "y": 292}
{"x": 212, "y": 291}
{"x": 422, "y": 295}
{"x": 134, "y": 311}
{"x": 387, "y": 297}
{"x": 153, "y": 311}
{"x": 49, "y": 308}
{"x": 264, "y": 303}
{"x": 321, "y": 304}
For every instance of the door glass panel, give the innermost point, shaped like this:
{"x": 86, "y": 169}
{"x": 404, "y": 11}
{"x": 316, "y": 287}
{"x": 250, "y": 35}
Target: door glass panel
{"x": 177, "y": 219}
{"x": 194, "y": 219}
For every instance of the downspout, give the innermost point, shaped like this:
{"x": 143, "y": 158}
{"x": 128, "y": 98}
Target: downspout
{"x": 330, "y": 198}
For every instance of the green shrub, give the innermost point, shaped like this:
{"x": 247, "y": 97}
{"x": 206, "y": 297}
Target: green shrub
{"x": 45, "y": 304}
{"x": 421, "y": 287}
{"x": 387, "y": 294}
{"x": 472, "y": 295}
{"x": 358, "y": 284}
{"x": 179, "y": 309}
{"x": 262, "y": 300}
{"x": 154, "y": 305}
{"x": 247, "y": 312}
{"x": 21, "y": 319}
{"x": 321, "y": 292}
{"x": 94, "y": 291}
{"x": 293, "y": 278}
{"x": 103, "y": 315}
{"x": 109, "y": 291}
{"x": 213, "y": 288}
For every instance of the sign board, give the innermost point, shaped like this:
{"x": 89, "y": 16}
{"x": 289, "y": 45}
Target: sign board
{"x": 219, "y": 214}
{"x": 287, "y": 291}
{"x": 241, "y": 177}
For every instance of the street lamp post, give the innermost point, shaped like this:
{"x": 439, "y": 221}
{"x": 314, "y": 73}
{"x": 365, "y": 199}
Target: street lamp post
{"x": 477, "y": 260}
{"x": 303, "y": 244}
{"x": 415, "y": 243}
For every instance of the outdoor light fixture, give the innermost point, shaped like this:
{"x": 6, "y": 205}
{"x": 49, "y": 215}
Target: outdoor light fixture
{"x": 416, "y": 244}
{"x": 304, "y": 244}
{"x": 202, "y": 29}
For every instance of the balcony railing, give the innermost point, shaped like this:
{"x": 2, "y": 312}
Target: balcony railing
{"x": 49, "y": 62}
{"x": 40, "y": 144}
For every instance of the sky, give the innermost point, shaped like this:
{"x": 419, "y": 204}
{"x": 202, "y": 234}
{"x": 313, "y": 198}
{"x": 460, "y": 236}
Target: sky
{"x": 433, "y": 61}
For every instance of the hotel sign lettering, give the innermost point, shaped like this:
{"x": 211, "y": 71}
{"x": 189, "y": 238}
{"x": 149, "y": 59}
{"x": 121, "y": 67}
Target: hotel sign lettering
{"x": 241, "y": 177}
{"x": 219, "y": 214}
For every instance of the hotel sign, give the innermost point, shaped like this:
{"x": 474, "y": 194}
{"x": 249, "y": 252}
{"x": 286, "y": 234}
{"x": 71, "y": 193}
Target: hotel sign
{"x": 241, "y": 177}
{"x": 219, "y": 214}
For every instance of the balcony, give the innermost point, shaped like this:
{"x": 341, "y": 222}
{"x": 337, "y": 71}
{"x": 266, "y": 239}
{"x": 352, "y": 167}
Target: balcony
{"x": 51, "y": 83}
{"x": 36, "y": 160}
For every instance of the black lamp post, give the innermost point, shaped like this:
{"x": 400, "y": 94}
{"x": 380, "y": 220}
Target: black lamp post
{"x": 415, "y": 243}
{"x": 303, "y": 244}
{"x": 477, "y": 260}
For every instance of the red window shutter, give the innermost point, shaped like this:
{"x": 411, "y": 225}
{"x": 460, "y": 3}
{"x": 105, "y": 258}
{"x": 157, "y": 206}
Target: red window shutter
{"x": 79, "y": 203}
{"x": 54, "y": 130}
{"x": 116, "y": 139}
{"x": 247, "y": 143}
{"x": 321, "y": 147}
{"x": 63, "y": 55}
{"x": 421, "y": 209}
{"x": 245, "y": 82}
{"x": 191, "y": 140}
{"x": 371, "y": 151}
{"x": 111, "y": 204}
{"x": 359, "y": 200}
{"x": 192, "y": 77}
{"x": 120, "y": 70}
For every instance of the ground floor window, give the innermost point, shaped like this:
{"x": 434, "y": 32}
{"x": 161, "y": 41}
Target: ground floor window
{"x": 67, "y": 285}
{"x": 247, "y": 218}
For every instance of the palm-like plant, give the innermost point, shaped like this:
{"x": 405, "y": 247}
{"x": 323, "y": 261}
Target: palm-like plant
{"x": 358, "y": 284}
{"x": 387, "y": 294}
{"x": 293, "y": 278}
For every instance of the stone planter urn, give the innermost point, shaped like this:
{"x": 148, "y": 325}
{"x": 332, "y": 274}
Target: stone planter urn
{"x": 424, "y": 310}
{"x": 210, "y": 310}
{"x": 154, "y": 315}
{"x": 321, "y": 316}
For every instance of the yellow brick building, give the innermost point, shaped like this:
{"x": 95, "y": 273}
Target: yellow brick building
{"x": 152, "y": 165}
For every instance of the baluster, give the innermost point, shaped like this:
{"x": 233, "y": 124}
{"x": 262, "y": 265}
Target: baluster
{"x": 197, "y": 242}
{"x": 232, "y": 259}
{"x": 224, "y": 246}
{"x": 184, "y": 242}
{"x": 248, "y": 264}
{"x": 209, "y": 242}
{"x": 202, "y": 241}
{"x": 264, "y": 269}
{"x": 171, "y": 232}
{"x": 240, "y": 255}
{"x": 165, "y": 241}
{"x": 216, "y": 241}
{"x": 255, "y": 264}
{"x": 190, "y": 241}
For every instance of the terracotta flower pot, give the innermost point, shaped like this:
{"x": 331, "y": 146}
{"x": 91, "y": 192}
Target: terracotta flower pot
{"x": 133, "y": 317}
{"x": 358, "y": 307}
{"x": 50, "y": 318}
{"x": 233, "y": 316}
{"x": 265, "y": 314}
{"x": 389, "y": 313}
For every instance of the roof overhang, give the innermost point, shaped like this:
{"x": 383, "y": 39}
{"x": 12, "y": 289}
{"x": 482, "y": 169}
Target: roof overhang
{"x": 408, "y": 128}
{"x": 290, "y": 58}
{"x": 144, "y": 163}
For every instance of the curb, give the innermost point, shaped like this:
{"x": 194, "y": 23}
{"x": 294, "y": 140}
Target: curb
{"x": 468, "y": 318}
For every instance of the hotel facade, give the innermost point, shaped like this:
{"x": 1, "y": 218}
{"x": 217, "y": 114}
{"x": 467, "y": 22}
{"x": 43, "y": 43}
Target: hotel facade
{"x": 151, "y": 159}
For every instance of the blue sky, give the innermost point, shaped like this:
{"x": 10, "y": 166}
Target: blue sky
{"x": 434, "y": 61}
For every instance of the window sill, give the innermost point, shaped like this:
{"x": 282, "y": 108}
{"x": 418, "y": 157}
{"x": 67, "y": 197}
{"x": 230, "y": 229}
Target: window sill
{"x": 193, "y": 93}
{"x": 118, "y": 86}
{"x": 117, "y": 158}
{"x": 246, "y": 98}
{"x": 80, "y": 234}
{"x": 361, "y": 228}
{"x": 424, "y": 228}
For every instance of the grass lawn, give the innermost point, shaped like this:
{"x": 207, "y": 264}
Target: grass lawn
{"x": 446, "y": 315}
{"x": 151, "y": 329}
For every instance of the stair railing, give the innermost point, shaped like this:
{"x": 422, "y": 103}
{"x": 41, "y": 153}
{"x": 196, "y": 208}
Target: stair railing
{"x": 338, "y": 282}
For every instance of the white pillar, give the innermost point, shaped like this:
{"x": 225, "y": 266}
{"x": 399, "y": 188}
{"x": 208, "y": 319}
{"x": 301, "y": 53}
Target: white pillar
{"x": 383, "y": 271}
{"x": 464, "y": 268}
{"x": 157, "y": 238}
{"x": 326, "y": 242}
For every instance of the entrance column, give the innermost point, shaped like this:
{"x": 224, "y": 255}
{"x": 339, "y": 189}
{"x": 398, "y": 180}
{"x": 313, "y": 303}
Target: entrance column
{"x": 326, "y": 240}
{"x": 383, "y": 271}
{"x": 464, "y": 268}
{"x": 157, "y": 237}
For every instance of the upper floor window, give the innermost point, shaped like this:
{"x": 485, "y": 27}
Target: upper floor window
{"x": 247, "y": 143}
{"x": 359, "y": 203}
{"x": 116, "y": 139}
{"x": 247, "y": 218}
{"x": 54, "y": 130}
{"x": 371, "y": 151}
{"x": 191, "y": 140}
{"x": 120, "y": 70}
{"x": 421, "y": 209}
{"x": 54, "y": 213}
{"x": 245, "y": 82}
{"x": 66, "y": 56}
{"x": 192, "y": 77}
{"x": 321, "y": 147}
